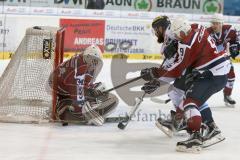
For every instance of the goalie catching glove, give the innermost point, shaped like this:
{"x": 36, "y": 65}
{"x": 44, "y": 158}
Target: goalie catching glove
{"x": 151, "y": 86}
{"x": 96, "y": 90}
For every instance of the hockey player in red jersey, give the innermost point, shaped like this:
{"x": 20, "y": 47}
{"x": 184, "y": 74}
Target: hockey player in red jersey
{"x": 224, "y": 34}
{"x": 175, "y": 122}
{"x": 79, "y": 98}
{"x": 205, "y": 70}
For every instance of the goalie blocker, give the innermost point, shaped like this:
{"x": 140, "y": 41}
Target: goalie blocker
{"x": 78, "y": 98}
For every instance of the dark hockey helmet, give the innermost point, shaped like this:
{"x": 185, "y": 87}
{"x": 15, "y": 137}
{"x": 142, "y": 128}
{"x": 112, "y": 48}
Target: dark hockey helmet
{"x": 160, "y": 21}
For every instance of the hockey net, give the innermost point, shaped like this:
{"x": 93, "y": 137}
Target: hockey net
{"x": 25, "y": 96}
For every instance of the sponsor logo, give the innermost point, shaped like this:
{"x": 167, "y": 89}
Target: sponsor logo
{"x": 182, "y": 4}
{"x": 143, "y": 5}
{"x": 212, "y": 6}
{"x": 88, "y": 41}
{"x": 66, "y": 2}
{"x": 47, "y": 48}
{"x": 112, "y": 44}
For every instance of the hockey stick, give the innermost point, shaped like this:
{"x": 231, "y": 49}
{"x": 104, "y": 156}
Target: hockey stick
{"x": 139, "y": 100}
{"x": 123, "y": 84}
{"x": 122, "y": 125}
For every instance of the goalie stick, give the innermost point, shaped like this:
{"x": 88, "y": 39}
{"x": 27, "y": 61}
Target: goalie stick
{"x": 107, "y": 120}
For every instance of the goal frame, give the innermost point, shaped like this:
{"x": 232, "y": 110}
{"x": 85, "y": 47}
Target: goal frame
{"x": 59, "y": 55}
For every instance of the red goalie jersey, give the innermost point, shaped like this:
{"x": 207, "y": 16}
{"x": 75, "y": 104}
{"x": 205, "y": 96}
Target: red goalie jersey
{"x": 197, "y": 51}
{"x": 75, "y": 76}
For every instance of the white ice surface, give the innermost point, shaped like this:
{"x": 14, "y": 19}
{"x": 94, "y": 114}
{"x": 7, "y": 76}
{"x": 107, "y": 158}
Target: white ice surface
{"x": 140, "y": 141}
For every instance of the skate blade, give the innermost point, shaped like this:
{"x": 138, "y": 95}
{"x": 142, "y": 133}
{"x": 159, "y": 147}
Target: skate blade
{"x": 215, "y": 140}
{"x": 165, "y": 130}
{"x": 194, "y": 149}
{"x": 229, "y": 105}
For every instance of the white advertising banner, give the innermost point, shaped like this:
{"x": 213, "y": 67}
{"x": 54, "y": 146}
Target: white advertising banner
{"x": 8, "y": 34}
{"x": 16, "y": 10}
{"x": 141, "y": 15}
{"x": 13, "y": 28}
{"x": 102, "y": 13}
{"x": 123, "y": 36}
{"x": 70, "y": 12}
{"x": 43, "y": 11}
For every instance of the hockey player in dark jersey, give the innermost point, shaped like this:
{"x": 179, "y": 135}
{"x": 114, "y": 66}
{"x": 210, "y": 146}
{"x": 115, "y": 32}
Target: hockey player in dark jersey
{"x": 222, "y": 35}
{"x": 79, "y": 98}
{"x": 206, "y": 74}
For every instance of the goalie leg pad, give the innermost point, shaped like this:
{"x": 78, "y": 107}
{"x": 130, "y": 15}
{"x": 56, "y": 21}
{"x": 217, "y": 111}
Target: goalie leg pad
{"x": 91, "y": 115}
{"x": 64, "y": 112}
{"x": 108, "y": 105}
{"x": 97, "y": 111}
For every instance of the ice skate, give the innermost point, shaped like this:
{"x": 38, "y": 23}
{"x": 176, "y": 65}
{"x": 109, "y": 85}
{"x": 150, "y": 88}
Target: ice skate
{"x": 171, "y": 126}
{"x": 229, "y": 101}
{"x": 192, "y": 145}
{"x": 213, "y": 136}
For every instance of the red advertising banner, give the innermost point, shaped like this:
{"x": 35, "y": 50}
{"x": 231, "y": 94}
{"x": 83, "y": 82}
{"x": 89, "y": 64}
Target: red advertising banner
{"x": 80, "y": 33}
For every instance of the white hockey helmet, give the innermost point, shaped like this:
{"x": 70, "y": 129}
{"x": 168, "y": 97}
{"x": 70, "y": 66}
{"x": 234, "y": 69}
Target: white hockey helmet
{"x": 92, "y": 55}
{"x": 217, "y": 18}
{"x": 180, "y": 24}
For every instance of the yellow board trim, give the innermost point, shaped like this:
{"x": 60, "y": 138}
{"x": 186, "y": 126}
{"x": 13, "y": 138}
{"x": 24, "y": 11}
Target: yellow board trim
{"x": 133, "y": 56}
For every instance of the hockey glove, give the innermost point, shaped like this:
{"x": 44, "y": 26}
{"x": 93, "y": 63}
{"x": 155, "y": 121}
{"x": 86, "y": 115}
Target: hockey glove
{"x": 147, "y": 74}
{"x": 195, "y": 75}
{"x": 234, "y": 50}
{"x": 151, "y": 86}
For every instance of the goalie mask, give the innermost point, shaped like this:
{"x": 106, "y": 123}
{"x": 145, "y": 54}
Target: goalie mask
{"x": 92, "y": 55}
{"x": 160, "y": 25}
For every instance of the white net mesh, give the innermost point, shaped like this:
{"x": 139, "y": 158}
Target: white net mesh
{"x": 24, "y": 95}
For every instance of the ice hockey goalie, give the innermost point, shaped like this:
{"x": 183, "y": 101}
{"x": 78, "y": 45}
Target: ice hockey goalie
{"x": 78, "y": 97}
